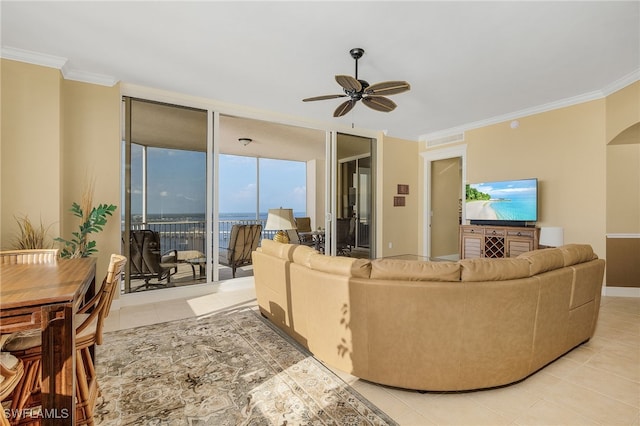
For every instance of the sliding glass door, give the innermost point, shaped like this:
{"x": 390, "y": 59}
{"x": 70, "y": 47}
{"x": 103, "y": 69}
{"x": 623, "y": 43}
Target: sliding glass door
{"x": 164, "y": 192}
{"x": 353, "y": 230}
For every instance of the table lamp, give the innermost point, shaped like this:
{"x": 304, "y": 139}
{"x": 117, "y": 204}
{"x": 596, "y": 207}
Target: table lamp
{"x": 551, "y": 236}
{"x": 280, "y": 220}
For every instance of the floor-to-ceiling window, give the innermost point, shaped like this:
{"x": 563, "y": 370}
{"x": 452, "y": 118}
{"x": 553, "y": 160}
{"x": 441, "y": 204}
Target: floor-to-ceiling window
{"x": 165, "y": 189}
{"x": 250, "y": 186}
{"x": 164, "y": 192}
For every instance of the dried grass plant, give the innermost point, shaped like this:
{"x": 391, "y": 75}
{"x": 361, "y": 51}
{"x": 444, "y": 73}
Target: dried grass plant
{"x": 31, "y": 236}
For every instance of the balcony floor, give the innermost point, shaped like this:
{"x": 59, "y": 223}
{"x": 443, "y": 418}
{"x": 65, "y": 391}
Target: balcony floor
{"x": 184, "y": 277}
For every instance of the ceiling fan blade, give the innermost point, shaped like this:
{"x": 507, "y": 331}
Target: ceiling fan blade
{"x": 349, "y": 83}
{"x": 323, "y": 97}
{"x": 379, "y": 103}
{"x": 387, "y": 88}
{"x": 344, "y": 108}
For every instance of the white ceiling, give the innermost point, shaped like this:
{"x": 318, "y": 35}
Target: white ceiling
{"x": 467, "y": 62}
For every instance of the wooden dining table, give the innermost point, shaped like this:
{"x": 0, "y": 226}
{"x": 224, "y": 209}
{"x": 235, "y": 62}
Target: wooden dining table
{"x": 46, "y": 297}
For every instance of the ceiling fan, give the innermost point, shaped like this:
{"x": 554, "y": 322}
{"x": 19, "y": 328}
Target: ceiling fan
{"x": 372, "y": 96}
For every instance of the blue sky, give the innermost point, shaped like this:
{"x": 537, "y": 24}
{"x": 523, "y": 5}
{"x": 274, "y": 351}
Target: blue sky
{"x": 177, "y": 182}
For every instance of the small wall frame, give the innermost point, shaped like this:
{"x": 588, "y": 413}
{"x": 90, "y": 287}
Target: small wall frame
{"x": 399, "y": 201}
{"x": 403, "y": 189}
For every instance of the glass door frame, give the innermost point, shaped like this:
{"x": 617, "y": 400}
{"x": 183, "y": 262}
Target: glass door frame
{"x": 332, "y": 170}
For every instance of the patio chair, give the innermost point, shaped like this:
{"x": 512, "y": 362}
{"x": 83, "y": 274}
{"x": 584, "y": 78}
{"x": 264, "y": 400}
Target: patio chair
{"x": 148, "y": 262}
{"x": 303, "y": 230}
{"x": 243, "y": 240}
{"x": 345, "y": 236}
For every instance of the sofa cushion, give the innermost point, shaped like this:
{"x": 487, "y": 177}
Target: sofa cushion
{"x": 301, "y": 254}
{"x": 577, "y": 253}
{"x": 345, "y": 266}
{"x": 484, "y": 269}
{"x": 274, "y": 248}
{"x": 413, "y": 270}
{"x": 543, "y": 260}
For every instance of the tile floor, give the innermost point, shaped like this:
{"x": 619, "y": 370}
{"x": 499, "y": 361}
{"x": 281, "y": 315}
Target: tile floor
{"x": 596, "y": 384}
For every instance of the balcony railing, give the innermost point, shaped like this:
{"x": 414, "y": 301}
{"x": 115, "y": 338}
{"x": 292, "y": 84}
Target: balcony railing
{"x": 190, "y": 235}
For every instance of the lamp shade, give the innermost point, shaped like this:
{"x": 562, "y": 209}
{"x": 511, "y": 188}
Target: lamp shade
{"x": 280, "y": 220}
{"x": 551, "y": 236}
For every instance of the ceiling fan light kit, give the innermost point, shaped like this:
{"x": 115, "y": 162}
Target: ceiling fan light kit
{"x": 372, "y": 96}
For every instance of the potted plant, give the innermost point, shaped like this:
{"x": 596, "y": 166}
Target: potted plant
{"x": 92, "y": 220}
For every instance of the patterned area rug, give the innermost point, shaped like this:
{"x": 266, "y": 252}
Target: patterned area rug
{"x": 231, "y": 368}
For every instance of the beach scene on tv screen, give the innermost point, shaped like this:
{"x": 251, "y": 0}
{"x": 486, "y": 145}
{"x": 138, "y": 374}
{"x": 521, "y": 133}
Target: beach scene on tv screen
{"x": 509, "y": 200}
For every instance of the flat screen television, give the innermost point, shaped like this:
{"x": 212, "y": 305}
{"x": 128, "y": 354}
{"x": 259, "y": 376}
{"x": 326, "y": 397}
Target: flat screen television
{"x": 509, "y": 202}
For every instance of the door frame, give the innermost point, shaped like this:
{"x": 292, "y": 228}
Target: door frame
{"x": 458, "y": 151}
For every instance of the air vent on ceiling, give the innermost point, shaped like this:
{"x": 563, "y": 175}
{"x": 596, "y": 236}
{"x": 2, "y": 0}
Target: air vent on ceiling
{"x": 443, "y": 140}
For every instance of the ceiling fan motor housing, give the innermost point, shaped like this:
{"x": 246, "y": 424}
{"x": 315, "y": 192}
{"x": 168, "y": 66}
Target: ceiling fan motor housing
{"x": 356, "y": 53}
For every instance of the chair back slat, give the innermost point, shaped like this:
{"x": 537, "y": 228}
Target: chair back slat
{"x": 29, "y": 256}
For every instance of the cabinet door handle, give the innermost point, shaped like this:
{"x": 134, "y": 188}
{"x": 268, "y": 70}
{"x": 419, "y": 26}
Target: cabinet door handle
{"x": 519, "y": 234}
{"x": 494, "y": 232}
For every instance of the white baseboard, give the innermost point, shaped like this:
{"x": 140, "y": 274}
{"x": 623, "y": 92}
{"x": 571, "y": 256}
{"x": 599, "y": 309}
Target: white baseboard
{"x": 621, "y": 291}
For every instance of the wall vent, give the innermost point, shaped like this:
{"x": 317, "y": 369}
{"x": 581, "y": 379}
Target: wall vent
{"x": 443, "y": 140}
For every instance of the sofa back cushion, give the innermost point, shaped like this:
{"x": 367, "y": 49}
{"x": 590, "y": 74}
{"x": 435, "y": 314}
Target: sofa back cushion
{"x": 279, "y": 250}
{"x": 484, "y": 269}
{"x": 577, "y": 253}
{"x": 345, "y": 266}
{"x": 543, "y": 260}
{"x": 302, "y": 255}
{"x": 413, "y": 270}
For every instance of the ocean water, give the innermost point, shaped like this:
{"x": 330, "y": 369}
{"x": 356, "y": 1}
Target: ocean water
{"x": 200, "y": 217}
{"x": 521, "y": 208}
{"x": 186, "y": 231}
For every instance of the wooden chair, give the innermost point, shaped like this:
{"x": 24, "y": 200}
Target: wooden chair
{"x": 27, "y": 346}
{"x": 11, "y": 371}
{"x": 28, "y": 256}
{"x": 243, "y": 240}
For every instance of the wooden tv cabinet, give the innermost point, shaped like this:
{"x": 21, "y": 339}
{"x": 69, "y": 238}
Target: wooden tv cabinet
{"x": 496, "y": 241}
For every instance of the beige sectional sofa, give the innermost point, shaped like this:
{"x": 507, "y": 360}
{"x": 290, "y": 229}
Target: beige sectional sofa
{"x": 436, "y": 326}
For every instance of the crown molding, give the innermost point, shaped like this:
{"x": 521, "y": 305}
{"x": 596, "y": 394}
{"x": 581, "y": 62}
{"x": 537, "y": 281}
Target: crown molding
{"x": 34, "y": 58}
{"x": 621, "y": 83}
{"x": 562, "y": 103}
{"x": 57, "y": 62}
{"x": 88, "y": 77}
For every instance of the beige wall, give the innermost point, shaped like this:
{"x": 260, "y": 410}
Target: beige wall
{"x": 565, "y": 150}
{"x": 623, "y": 110}
{"x": 587, "y": 160}
{"x": 91, "y": 150}
{"x": 55, "y": 134}
{"x": 30, "y": 147}
{"x": 623, "y": 161}
{"x": 623, "y": 189}
{"x": 400, "y": 163}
